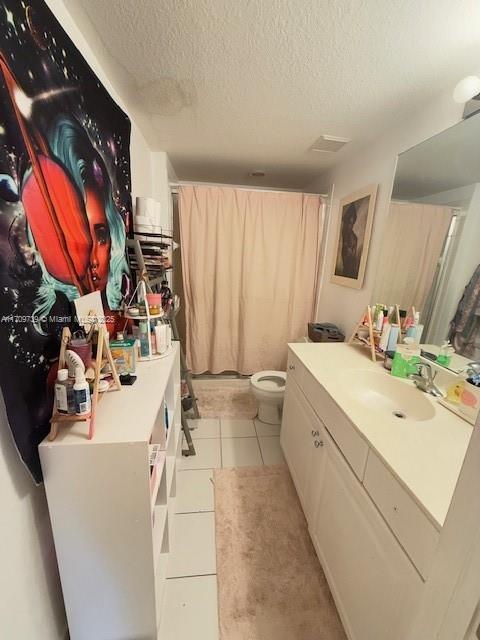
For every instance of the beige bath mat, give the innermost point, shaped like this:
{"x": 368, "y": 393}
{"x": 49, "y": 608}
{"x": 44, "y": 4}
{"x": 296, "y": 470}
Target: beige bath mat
{"x": 225, "y": 398}
{"x": 270, "y": 583}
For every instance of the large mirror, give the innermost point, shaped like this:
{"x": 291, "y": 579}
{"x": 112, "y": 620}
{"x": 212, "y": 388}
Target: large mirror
{"x": 430, "y": 255}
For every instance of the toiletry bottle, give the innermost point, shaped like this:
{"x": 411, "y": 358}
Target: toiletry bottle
{"x": 378, "y": 317}
{"x": 161, "y": 338}
{"x": 81, "y": 389}
{"x": 418, "y": 333}
{"x": 393, "y": 337}
{"x": 64, "y": 396}
{"x": 445, "y": 354}
{"x": 381, "y": 319}
{"x": 385, "y": 335}
{"x": 411, "y": 331}
{"x": 153, "y": 341}
{"x": 144, "y": 339}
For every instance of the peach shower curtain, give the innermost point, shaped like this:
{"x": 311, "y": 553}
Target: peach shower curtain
{"x": 250, "y": 263}
{"x": 411, "y": 248}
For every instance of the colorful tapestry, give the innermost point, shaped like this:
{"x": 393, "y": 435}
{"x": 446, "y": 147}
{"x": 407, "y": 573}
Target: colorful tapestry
{"x": 64, "y": 205}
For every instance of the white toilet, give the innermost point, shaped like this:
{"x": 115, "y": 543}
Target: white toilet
{"x": 268, "y": 387}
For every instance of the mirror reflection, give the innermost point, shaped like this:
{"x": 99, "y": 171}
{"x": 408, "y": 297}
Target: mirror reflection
{"x": 430, "y": 253}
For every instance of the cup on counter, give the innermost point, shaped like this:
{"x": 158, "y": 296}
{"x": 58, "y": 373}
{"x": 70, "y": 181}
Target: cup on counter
{"x": 83, "y": 349}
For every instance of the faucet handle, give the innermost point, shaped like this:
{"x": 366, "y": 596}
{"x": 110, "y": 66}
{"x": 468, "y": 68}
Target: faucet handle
{"x": 428, "y": 367}
{"x": 419, "y": 367}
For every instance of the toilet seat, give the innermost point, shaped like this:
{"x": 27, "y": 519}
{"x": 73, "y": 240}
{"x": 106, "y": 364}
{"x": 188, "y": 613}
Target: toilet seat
{"x": 271, "y": 381}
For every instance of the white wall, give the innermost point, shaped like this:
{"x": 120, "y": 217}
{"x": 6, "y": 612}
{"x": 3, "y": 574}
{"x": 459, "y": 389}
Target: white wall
{"x": 31, "y": 606}
{"x": 358, "y": 168}
{"x": 164, "y": 174}
{"x": 78, "y": 26}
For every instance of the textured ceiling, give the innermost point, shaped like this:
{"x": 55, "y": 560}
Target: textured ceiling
{"x": 236, "y": 85}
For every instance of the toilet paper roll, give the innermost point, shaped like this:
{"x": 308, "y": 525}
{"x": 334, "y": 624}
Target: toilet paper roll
{"x": 145, "y": 207}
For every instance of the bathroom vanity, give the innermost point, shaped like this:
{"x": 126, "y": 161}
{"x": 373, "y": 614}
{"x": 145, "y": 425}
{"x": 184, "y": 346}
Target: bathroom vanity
{"x": 375, "y": 462}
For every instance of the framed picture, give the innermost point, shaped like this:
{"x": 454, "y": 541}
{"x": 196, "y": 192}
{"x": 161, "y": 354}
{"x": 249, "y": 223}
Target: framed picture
{"x": 353, "y": 237}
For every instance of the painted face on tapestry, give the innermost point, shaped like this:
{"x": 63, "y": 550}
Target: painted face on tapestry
{"x": 97, "y": 223}
{"x": 66, "y": 213}
{"x": 75, "y": 243}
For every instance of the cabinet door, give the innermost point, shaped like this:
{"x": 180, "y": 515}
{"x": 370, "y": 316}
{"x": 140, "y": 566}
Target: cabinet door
{"x": 373, "y": 582}
{"x": 302, "y": 438}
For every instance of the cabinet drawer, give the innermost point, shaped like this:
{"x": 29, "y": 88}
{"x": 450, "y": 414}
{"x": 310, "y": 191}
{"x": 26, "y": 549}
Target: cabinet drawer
{"x": 295, "y": 368}
{"x": 349, "y": 441}
{"x": 411, "y": 526}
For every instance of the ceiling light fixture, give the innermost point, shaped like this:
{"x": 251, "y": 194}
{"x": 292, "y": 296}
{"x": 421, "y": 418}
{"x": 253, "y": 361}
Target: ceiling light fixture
{"x": 466, "y": 89}
{"x": 329, "y": 144}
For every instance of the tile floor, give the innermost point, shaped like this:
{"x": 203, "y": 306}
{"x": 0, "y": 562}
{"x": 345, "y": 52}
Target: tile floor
{"x": 190, "y": 605}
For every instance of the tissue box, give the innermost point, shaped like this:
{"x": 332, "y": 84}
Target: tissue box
{"x": 124, "y": 355}
{"x": 405, "y": 360}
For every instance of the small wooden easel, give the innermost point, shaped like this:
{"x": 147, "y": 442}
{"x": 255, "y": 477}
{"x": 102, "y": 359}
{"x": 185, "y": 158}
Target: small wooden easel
{"x": 102, "y": 349}
{"x": 366, "y": 322}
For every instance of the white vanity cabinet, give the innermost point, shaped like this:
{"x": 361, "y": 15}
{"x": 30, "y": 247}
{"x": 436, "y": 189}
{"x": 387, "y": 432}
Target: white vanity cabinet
{"x": 302, "y": 439}
{"x": 374, "y": 583}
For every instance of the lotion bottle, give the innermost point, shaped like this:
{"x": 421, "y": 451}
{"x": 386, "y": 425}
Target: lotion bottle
{"x": 81, "y": 390}
{"x": 64, "y": 398}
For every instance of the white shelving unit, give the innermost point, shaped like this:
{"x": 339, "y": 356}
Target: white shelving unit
{"x": 111, "y": 520}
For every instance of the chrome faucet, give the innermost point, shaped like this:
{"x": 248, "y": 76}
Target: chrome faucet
{"x": 425, "y": 382}
{"x": 473, "y": 369}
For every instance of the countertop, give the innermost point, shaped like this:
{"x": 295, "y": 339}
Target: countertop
{"x": 426, "y": 456}
{"x": 127, "y": 415}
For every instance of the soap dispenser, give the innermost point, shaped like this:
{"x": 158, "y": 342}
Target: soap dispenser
{"x": 445, "y": 354}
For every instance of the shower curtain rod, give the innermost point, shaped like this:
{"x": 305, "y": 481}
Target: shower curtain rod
{"x": 174, "y": 188}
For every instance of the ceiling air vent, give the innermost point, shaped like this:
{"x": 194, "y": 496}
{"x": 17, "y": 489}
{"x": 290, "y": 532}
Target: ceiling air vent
{"x": 329, "y": 144}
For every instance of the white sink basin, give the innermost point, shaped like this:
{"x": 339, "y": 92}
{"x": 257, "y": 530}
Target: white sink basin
{"x": 385, "y": 395}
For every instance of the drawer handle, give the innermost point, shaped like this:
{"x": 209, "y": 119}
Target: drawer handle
{"x": 291, "y": 367}
{"x": 315, "y": 433}
{"x": 318, "y": 443}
